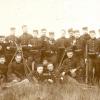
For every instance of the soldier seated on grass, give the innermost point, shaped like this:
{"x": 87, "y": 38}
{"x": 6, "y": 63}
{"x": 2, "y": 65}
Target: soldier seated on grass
{"x": 16, "y": 69}
{"x": 70, "y": 65}
{"x": 37, "y": 75}
{"x": 49, "y": 75}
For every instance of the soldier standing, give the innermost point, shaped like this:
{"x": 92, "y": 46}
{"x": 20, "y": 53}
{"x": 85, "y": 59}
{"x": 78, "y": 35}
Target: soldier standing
{"x": 34, "y": 47}
{"x": 78, "y": 45}
{"x": 12, "y": 38}
{"x": 24, "y": 40}
{"x": 61, "y": 44}
{"x": 44, "y": 43}
{"x": 85, "y": 36}
{"x": 71, "y": 35}
{"x": 11, "y": 43}
{"x": 2, "y": 45}
{"x": 92, "y": 47}
{"x": 52, "y": 49}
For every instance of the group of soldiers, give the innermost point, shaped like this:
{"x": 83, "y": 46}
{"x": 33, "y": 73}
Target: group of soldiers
{"x": 46, "y": 59}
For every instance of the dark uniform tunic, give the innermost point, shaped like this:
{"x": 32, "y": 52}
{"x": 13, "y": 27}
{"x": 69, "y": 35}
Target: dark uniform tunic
{"x": 52, "y": 51}
{"x": 3, "y": 71}
{"x": 50, "y": 75}
{"x": 98, "y": 61}
{"x": 37, "y": 77}
{"x": 79, "y": 48}
{"x": 85, "y": 37}
{"x": 61, "y": 44}
{"x": 73, "y": 63}
{"x": 24, "y": 41}
{"x": 17, "y": 69}
{"x": 44, "y": 46}
{"x": 11, "y": 42}
{"x": 35, "y": 49}
{"x": 93, "y": 51}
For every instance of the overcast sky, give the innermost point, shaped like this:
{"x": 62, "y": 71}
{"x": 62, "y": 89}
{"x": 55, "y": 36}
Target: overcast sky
{"x": 51, "y": 14}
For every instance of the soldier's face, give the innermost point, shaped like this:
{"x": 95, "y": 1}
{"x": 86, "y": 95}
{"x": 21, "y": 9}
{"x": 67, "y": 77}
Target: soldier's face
{"x": 12, "y": 32}
{"x": 99, "y": 32}
{"x": 2, "y": 39}
{"x": 45, "y": 62}
{"x": 40, "y": 69}
{"x": 18, "y": 59}
{"x": 92, "y": 35}
{"x": 63, "y": 33}
{"x": 51, "y": 36}
{"x": 2, "y": 60}
{"x": 71, "y": 34}
{"x": 43, "y": 33}
{"x": 50, "y": 67}
{"x": 85, "y": 31}
{"x": 77, "y": 35}
{"x": 24, "y": 29}
{"x": 35, "y": 34}
{"x": 69, "y": 54}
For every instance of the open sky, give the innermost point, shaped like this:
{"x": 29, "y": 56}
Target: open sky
{"x": 51, "y": 14}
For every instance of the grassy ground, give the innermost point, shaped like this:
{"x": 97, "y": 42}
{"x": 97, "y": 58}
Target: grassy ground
{"x": 71, "y": 90}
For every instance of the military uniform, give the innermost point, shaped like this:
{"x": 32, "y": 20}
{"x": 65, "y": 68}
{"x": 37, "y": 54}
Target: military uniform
{"x": 44, "y": 46}
{"x": 93, "y": 52}
{"x": 16, "y": 70}
{"x": 11, "y": 42}
{"x": 24, "y": 41}
{"x": 85, "y": 37}
{"x": 52, "y": 50}
{"x": 37, "y": 77}
{"x": 3, "y": 72}
{"x": 49, "y": 76}
{"x": 35, "y": 48}
{"x": 71, "y": 66}
{"x": 61, "y": 44}
{"x": 2, "y": 45}
{"x": 78, "y": 48}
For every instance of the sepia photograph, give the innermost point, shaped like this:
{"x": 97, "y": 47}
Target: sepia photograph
{"x": 49, "y": 50}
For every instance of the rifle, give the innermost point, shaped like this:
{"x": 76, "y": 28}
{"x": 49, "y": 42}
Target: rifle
{"x": 57, "y": 71}
{"x": 86, "y": 62}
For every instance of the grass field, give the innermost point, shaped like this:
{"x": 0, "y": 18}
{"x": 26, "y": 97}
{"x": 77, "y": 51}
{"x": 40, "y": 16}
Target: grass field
{"x": 71, "y": 90}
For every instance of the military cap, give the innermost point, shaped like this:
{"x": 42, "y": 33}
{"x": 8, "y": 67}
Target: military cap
{"x": 92, "y": 31}
{"x": 18, "y": 54}
{"x": 2, "y": 36}
{"x": 51, "y": 33}
{"x": 85, "y": 28}
{"x": 39, "y": 65}
{"x": 12, "y": 28}
{"x": 24, "y": 26}
{"x": 35, "y": 31}
{"x": 70, "y": 30}
{"x": 43, "y": 29}
{"x": 76, "y": 31}
{"x": 69, "y": 49}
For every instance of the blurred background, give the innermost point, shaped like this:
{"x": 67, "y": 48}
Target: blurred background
{"x": 51, "y": 14}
